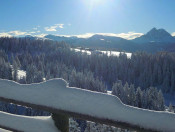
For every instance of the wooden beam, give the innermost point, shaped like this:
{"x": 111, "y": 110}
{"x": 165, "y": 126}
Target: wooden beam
{"x": 55, "y": 96}
{"x": 79, "y": 116}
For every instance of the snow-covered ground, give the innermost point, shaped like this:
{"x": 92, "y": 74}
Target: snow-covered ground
{"x": 83, "y": 51}
{"x": 108, "y": 53}
{"x": 27, "y": 123}
{"x": 21, "y": 74}
{"x": 116, "y": 53}
{"x": 109, "y": 92}
{"x": 56, "y": 94}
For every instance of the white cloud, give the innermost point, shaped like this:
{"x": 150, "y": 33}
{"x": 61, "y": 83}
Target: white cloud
{"x": 60, "y": 25}
{"x": 12, "y": 33}
{"x": 49, "y": 29}
{"x": 3, "y": 34}
{"x": 173, "y": 34}
{"x": 35, "y": 28}
{"x": 87, "y": 35}
{"x": 17, "y": 33}
{"x": 40, "y": 35}
{"x": 129, "y": 35}
{"x": 54, "y": 28}
{"x": 32, "y": 32}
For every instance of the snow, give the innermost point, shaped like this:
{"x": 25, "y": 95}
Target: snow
{"x": 109, "y": 92}
{"x": 86, "y": 51}
{"x": 108, "y": 53}
{"x": 116, "y": 53}
{"x": 27, "y": 123}
{"x": 55, "y": 93}
{"x": 21, "y": 74}
{"x": 83, "y": 51}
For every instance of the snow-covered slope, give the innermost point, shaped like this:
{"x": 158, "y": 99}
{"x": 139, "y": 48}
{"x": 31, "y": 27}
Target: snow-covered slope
{"x": 27, "y": 123}
{"x": 56, "y": 94}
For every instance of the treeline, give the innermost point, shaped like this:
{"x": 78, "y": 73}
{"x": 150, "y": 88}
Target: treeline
{"x": 5, "y": 68}
{"x": 142, "y": 69}
{"x": 150, "y": 98}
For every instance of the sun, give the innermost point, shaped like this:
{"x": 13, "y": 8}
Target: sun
{"x": 92, "y": 5}
{"x": 93, "y": 2}
{"x": 96, "y": 2}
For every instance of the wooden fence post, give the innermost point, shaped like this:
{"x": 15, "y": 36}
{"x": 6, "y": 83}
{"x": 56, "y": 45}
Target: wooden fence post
{"x": 61, "y": 121}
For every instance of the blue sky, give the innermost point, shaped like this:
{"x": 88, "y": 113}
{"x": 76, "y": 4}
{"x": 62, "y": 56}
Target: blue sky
{"x": 84, "y": 17}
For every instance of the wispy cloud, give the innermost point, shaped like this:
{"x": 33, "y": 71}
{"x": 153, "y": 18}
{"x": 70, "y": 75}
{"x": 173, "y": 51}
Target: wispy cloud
{"x": 60, "y": 25}
{"x": 54, "y": 27}
{"x": 17, "y": 33}
{"x": 40, "y": 35}
{"x": 4, "y": 34}
{"x": 129, "y": 35}
{"x": 86, "y": 35}
{"x": 173, "y": 34}
{"x": 32, "y": 32}
{"x": 51, "y": 29}
{"x": 13, "y": 33}
{"x": 35, "y": 28}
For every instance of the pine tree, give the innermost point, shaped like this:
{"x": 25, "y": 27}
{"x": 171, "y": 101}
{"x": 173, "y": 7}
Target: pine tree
{"x": 170, "y": 109}
{"x": 139, "y": 98}
{"x": 161, "y": 104}
{"x": 117, "y": 89}
{"x": 172, "y": 82}
{"x": 132, "y": 96}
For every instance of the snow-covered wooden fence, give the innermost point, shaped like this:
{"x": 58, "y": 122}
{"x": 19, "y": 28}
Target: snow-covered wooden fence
{"x": 56, "y": 97}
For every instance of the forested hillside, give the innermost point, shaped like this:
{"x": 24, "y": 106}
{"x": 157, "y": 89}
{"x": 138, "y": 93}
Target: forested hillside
{"x": 138, "y": 81}
{"x": 49, "y": 59}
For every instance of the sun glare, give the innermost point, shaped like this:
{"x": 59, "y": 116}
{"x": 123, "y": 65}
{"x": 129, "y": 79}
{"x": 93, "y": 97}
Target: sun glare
{"x": 94, "y": 2}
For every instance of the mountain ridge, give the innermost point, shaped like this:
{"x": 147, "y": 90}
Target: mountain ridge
{"x": 155, "y": 36}
{"x": 153, "y": 41}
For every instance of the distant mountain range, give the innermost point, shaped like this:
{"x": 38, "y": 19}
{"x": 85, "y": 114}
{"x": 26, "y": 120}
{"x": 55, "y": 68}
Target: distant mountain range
{"x": 153, "y": 41}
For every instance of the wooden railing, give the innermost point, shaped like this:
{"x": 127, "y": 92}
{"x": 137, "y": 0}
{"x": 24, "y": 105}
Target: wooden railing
{"x": 10, "y": 97}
